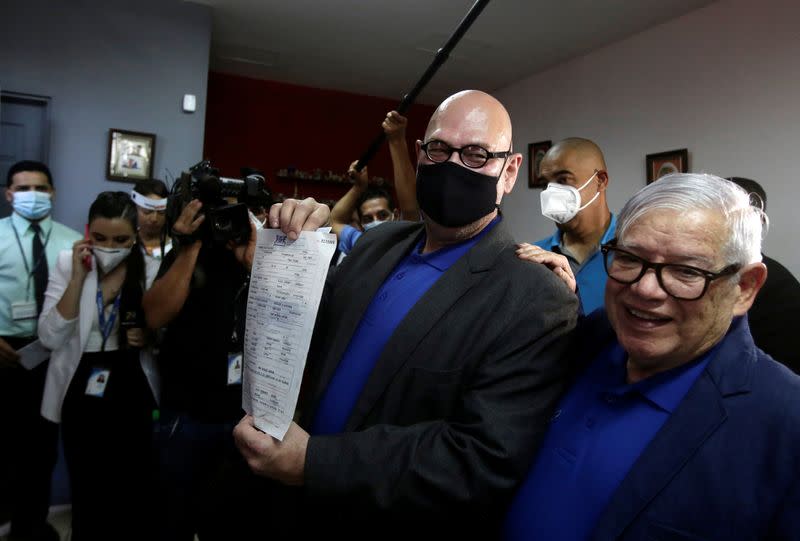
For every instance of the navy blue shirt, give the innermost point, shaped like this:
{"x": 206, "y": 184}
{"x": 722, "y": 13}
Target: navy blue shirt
{"x": 408, "y": 282}
{"x": 599, "y": 429}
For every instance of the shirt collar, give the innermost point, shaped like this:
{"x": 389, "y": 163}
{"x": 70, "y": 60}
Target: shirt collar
{"x": 22, "y": 225}
{"x": 558, "y": 236}
{"x": 611, "y": 230}
{"x": 666, "y": 389}
{"x": 443, "y": 258}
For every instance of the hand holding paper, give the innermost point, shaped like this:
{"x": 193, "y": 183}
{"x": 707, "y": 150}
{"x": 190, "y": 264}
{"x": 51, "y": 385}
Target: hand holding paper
{"x": 283, "y": 461}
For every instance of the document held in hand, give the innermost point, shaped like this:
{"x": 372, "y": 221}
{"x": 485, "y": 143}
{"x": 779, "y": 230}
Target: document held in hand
{"x": 286, "y": 284}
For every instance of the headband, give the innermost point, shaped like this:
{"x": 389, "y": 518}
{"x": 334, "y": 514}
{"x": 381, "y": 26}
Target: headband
{"x": 147, "y": 203}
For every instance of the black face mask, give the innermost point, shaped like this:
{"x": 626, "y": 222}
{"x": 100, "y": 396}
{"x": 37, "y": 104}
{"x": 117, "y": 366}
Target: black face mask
{"x": 454, "y": 196}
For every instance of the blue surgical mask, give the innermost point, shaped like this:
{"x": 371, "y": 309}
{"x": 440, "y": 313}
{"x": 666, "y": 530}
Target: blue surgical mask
{"x": 373, "y": 224}
{"x": 32, "y": 205}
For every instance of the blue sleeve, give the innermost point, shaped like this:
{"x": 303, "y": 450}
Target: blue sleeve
{"x": 348, "y": 238}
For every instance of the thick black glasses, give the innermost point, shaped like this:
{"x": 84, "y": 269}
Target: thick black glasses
{"x": 680, "y": 281}
{"x": 473, "y": 156}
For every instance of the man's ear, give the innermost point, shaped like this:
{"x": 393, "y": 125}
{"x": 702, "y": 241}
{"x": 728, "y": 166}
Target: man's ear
{"x": 9, "y": 196}
{"x": 751, "y": 278}
{"x": 602, "y": 181}
{"x": 508, "y": 177}
{"x": 511, "y": 172}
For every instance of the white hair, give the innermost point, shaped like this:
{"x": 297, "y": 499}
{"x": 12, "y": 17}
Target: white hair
{"x": 746, "y": 224}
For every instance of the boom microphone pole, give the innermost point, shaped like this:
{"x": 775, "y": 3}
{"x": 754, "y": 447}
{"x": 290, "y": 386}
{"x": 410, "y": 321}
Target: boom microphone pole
{"x": 441, "y": 56}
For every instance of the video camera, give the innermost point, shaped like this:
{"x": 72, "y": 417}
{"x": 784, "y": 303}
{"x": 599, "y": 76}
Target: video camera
{"x": 224, "y": 221}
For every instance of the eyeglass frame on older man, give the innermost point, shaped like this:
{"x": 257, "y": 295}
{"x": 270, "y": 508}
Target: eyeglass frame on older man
{"x": 449, "y": 151}
{"x": 708, "y": 276}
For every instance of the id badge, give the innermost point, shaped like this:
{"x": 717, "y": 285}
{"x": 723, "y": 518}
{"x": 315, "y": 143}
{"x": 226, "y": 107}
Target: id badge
{"x": 98, "y": 379}
{"x": 234, "y": 368}
{"x": 23, "y": 310}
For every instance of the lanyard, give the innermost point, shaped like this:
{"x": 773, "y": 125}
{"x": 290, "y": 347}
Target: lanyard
{"x": 106, "y": 326}
{"x": 36, "y": 264}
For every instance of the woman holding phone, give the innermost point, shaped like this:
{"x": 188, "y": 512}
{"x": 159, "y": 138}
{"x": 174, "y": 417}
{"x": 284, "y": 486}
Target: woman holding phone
{"x": 101, "y": 383}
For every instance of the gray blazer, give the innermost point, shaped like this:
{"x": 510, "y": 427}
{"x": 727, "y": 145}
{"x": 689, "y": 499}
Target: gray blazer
{"x": 458, "y": 401}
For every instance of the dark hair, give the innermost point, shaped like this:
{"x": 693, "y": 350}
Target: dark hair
{"x": 112, "y": 205}
{"x": 374, "y": 193}
{"x": 151, "y": 186}
{"x": 751, "y": 186}
{"x": 30, "y": 166}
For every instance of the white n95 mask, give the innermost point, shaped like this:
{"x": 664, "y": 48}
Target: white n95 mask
{"x": 561, "y": 203}
{"x": 109, "y": 258}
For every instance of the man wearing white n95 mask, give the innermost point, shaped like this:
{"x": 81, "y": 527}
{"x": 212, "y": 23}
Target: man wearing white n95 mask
{"x": 575, "y": 199}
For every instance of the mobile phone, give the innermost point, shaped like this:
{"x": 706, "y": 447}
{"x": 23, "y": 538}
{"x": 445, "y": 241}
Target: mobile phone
{"x": 87, "y": 259}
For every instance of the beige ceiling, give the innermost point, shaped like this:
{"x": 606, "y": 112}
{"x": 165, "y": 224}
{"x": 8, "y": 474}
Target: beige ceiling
{"x": 381, "y": 47}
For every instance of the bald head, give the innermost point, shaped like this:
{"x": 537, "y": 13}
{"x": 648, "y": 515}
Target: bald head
{"x": 579, "y": 163}
{"x": 473, "y": 116}
{"x": 453, "y": 204}
{"x": 583, "y": 150}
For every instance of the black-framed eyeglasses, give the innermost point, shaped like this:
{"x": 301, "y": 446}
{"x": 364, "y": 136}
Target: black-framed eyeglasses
{"x": 473, "y": 156}
{"x": 682, "y": 282}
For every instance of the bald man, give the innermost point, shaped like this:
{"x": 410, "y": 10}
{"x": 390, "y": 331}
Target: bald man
{"x": 435, "y": 360}
{"x": 575, "y": 199}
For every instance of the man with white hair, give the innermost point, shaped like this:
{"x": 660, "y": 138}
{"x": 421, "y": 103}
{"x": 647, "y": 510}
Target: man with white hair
{"x": 677, "y": 426}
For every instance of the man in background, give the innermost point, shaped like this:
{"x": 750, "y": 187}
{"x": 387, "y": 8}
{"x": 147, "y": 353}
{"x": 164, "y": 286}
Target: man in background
{"x": 373, "y": 205}
{"x": 199, "y": 297}
{"x": 575, "y": 198}
{"x": 777, "y": 306}
{"x": 29, "y": 244}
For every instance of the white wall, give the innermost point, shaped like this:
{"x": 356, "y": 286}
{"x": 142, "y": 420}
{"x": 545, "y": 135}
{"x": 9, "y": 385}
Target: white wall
{"x": 722, "y": 81}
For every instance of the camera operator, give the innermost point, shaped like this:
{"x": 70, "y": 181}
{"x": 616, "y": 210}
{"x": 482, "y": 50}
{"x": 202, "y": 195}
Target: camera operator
{"x": 199, "y": 296}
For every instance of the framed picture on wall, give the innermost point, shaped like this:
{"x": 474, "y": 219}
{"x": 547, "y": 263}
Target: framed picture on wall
{"x": 130, "y": 155}
{"x": 536, "y": 152}
{"x": 664, "y": 163}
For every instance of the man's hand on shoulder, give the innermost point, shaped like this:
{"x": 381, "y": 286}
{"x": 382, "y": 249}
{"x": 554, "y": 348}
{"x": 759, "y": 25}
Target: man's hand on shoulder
{"x": 555, "y": 262}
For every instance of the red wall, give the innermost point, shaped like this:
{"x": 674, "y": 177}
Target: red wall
{"x": 270, "y": 126}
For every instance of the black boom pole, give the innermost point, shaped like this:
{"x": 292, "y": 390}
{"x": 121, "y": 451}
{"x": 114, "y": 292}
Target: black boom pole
{"x": 441, "y": 56}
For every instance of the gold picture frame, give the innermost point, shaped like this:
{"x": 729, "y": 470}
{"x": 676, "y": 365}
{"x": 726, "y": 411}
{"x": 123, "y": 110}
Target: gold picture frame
{"x": 130, "y": 155}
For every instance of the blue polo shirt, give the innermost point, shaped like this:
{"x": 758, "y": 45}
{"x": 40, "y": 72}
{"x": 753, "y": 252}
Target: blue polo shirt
{"x": 599, "y": 429}
{"x": 348, "y": 238}
{"x": 408, "y": 282}
{"x": 590, "y": 275}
